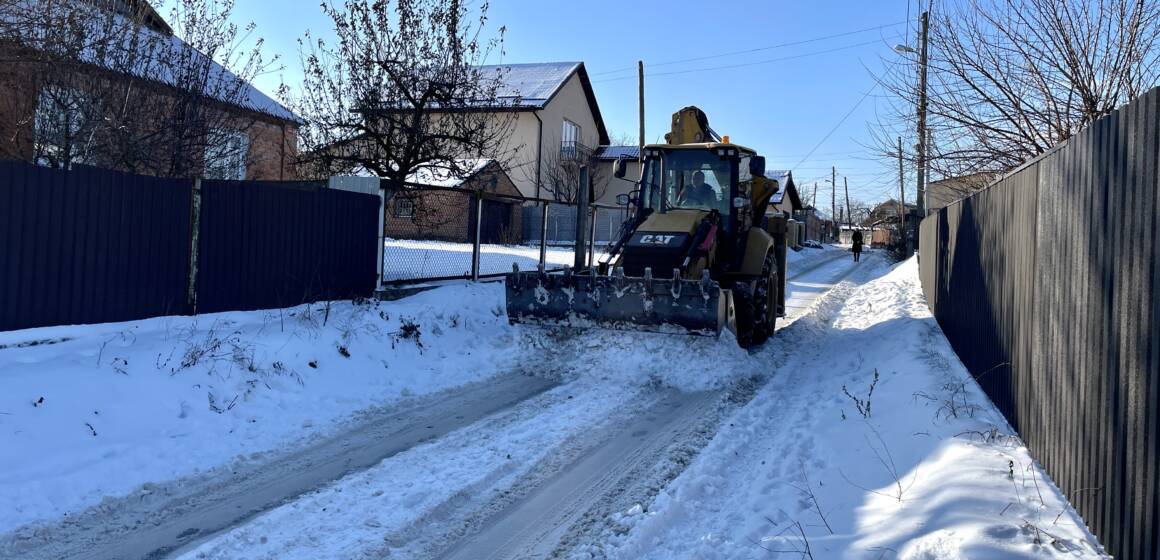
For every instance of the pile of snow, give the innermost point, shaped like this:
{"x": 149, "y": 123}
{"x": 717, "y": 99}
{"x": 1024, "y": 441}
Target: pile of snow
{"x": 93, "y": 411}
{"x": 870, "y": 441}
{"x": 632, "y": 358}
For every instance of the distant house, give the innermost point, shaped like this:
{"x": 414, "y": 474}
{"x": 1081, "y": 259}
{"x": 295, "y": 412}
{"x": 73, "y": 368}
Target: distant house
{"x": 941, "y": 193}
{"x": 445, "y": 211}
{"x": 817, "y": 225}
{"x": 111, "y": 104}
{"x": 610, "y": 186}
{"x": 887, "y": 213}
{"x": 885, "y": 218}
{"x": 786, "y": 199}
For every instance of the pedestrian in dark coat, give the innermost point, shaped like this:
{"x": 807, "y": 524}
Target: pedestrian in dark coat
{"x": 857, "y": 238}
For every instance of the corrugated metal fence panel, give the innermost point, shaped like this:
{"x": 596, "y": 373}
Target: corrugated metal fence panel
{"x": 90, "y": 245}
{"x": 1046, "y": 286}
{"x": 266, "y": 245}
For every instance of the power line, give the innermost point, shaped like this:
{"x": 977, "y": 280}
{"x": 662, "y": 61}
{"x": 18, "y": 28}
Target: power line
{"x": 743, "y": 64}
{"x": 753, "y": 50}
{"x": 847, "y": 115}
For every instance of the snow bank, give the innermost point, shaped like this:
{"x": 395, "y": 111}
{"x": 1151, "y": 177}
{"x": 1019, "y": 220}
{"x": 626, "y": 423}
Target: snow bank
{"x": 921, "y": 466}
{"x": 93, "y": 411}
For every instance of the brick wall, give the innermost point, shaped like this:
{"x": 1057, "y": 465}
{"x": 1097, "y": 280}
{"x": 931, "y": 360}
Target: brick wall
{"x": 446, "y": 215}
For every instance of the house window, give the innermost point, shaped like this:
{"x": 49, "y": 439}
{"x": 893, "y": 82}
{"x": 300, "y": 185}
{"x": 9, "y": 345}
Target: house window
{"x": 62, "y": 135}
{"x": 225, "y": 154}
{"x": 404, "y": 208}
{"x": 571, "y": 131}
{"x": 570, "y": 146}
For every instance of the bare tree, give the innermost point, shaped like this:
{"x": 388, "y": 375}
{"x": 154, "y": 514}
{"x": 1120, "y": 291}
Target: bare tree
{"x": 859, "y": 211}
{"x": 111, "y": 84}
{"x": 1010, "y": 79}
{"x": 402, "y": 88}
{"x": 561, "y": 174}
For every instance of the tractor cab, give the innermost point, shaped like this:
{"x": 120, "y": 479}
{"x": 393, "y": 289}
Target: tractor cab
{"x": 698, "y": 178}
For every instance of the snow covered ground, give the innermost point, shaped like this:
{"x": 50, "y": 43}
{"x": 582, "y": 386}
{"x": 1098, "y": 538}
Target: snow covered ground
{"x": 931, "y": 471}
{"x": 93, "y": 411}
{"x": 871, "y": 441}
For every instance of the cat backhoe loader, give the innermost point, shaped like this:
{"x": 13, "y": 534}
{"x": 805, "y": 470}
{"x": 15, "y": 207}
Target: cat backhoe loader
{"x": 698, "y": 254}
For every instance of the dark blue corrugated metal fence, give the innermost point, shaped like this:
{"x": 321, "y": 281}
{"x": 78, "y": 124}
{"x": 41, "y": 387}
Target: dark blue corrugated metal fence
{"x": 91, "y": 245}
{"x": 280, "y": 244}
{"x": 1047, "y": 286}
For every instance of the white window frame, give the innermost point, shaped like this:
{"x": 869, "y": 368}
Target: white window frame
{"x": 225, "y": 154}
{"x": 575, "y": 130}
{"x": 410, "y": 208}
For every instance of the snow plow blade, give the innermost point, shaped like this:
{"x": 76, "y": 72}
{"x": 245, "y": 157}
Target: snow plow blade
{"x": 585, "y": 299}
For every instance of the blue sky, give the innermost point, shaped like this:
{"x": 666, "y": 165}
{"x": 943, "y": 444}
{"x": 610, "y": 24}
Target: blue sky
{"x": 781, "y": 101}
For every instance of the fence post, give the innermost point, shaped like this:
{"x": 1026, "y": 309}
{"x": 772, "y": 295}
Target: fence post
{"x": 478, "y": 200}
{"x": 194, "y": 234}
{"x": 581, "y": 218}
{"x": 592, "y": 237}
{"x": 544, "y": 234}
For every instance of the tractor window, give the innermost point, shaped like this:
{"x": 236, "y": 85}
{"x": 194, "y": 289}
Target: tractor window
{"x": 687, "y": 179}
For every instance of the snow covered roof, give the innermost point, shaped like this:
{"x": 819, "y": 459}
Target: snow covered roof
{"x": 146, "y": 52}
{"x": 533, "y": 83}
{"x": 784, "y": 179}
{"x": 532, "y": 86}
{"x": 438, "y": 176}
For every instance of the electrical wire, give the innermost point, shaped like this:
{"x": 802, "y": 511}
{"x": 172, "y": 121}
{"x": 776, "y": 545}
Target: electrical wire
{"x": 742, "y": 64}
{"x": 877, "y": 81}
{"x": 753, "y": 50}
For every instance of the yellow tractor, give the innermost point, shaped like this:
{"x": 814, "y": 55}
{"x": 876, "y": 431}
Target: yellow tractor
{"x": 698, "y": 253}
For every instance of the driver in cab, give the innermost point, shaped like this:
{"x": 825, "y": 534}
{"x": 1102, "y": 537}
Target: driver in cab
{"x": 698, "y": 194}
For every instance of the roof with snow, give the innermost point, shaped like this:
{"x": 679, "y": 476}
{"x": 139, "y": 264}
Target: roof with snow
{"x": 784, "y": 179}
{"x": 531, "y": 86}
{"x": 533, "y": 83}
{"x": 439, "y": 176}
{"x": 612, "y": 153}
{"x": 220, "y": 83}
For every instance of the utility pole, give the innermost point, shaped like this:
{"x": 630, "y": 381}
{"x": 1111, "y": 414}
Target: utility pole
{"x": 849, "y": 216}
{"x": 640, "y": 96}
{"x": 921, "y": 192}
{"x": 814, "y": 202}
{"x": 834, "y": 195}
{"x": 901, "y": 195}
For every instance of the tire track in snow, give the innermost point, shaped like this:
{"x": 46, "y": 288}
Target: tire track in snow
{"x": 386, "y": 511}
{"x": 569, "y": 510}
{"x": 183, "y": 512}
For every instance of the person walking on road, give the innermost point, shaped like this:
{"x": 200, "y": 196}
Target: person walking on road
{"x": 857, "y": 239}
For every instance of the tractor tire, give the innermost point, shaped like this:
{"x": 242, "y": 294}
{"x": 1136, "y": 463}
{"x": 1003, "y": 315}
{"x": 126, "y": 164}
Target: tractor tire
{"x": 756, "y": 306}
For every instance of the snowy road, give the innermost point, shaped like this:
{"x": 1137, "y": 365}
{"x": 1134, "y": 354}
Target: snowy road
{"x": 804, "y": 286}
{"x": 409, "y": 429}
{"x": 613, "y": 442}
{"x": 454, "y": 475}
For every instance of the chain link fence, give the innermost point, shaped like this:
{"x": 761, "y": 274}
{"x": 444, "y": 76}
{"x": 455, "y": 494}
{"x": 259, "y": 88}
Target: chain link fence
{"x": 446, "y": 233}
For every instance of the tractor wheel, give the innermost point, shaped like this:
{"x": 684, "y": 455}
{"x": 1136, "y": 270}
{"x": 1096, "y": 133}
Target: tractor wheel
{"x": 756, "y": 306}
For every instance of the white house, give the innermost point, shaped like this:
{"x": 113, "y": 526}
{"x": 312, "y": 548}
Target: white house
{"x": 557, "y": 121}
